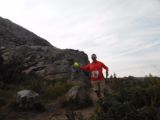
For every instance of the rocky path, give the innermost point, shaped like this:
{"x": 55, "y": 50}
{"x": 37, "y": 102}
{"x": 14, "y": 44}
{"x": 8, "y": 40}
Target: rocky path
{"x": 54, "y": 111}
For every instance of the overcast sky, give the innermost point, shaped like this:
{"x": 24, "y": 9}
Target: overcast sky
{"x": 125, "y": 34}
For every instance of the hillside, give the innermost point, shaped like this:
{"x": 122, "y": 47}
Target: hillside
{"x": 39, "y": 82}
{"x": 12, "y": 35}
{"x": 28, "y": 62}
{"x": 34, "y": 54}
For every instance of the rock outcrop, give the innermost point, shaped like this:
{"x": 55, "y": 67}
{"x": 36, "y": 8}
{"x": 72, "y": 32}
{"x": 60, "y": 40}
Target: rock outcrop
{"x": 27, "y": 98}
{"x": 34, "y": 55}
{"x": 12, "y": 35}
{"x": 77, "y": 97}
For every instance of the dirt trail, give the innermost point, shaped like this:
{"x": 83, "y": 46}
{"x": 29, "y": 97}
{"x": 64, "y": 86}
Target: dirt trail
{"x": 85, "y": 112}
{"x": 54, "y": 111}
{"x": 59, "y": 113}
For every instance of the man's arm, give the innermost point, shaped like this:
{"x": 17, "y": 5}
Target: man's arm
{"x": 106, "y": 68}
{"x": 85, "y": 68}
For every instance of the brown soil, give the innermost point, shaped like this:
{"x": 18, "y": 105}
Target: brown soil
{"x": 54, "y": 111}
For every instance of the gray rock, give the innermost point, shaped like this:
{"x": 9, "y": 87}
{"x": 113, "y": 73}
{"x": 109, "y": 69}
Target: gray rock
{"x": 78, "y": 97}
{"x": 27, "y": 98}
{"x": 31, "y": 60}
{"x": 12, "y": 35}
{"x": 72, "y": 93}
{"x": 34, "y": 55}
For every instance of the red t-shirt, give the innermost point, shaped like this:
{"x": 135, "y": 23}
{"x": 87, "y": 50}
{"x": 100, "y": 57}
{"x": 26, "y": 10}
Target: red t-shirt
{"x": 95, "y": 69}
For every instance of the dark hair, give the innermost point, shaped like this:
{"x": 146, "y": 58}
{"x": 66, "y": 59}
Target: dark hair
{"x": 93, "y": 56}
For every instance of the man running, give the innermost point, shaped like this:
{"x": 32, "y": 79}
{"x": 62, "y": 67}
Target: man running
{"x": 96, "y": 75}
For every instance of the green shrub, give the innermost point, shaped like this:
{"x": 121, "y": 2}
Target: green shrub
{"x": 76, "y": 103}
{"x": 131, "y": 99}
{"x": 53, "y": 91}
{"x": 2, "y": 101}
{"x": 5, "y": 97}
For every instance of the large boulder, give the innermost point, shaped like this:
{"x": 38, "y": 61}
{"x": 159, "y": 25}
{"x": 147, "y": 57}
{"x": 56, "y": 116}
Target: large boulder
{"x": 27, "y": 99}
{"x": 31, "y": 54}
{"x": 12, "y": 35}
{"x": 72, "y": 93}
{"x": 77, "y": 97}
{"x": 46, "y": 62}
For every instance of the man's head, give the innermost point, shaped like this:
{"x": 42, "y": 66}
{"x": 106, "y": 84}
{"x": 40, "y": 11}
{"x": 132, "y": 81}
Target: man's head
{"x": 94, "y": 57}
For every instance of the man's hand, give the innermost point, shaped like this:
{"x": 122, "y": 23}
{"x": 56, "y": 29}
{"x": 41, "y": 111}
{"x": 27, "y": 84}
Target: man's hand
{"x": 106, "y": 74}
{"x": 76, "y": 65}
{"x": 106, "y": 80}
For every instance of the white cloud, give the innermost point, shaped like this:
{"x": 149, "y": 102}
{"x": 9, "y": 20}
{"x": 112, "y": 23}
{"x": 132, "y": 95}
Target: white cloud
{"x": 125, "y": 34}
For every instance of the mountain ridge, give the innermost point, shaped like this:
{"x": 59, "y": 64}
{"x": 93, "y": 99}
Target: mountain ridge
{"x": 35, "y": 54}
{"x": 12, "y": 35}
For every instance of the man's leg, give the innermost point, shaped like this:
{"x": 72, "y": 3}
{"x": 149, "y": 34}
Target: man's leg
{"x": 93, "y": 93}
{"x": 102, "y": 88}
{"x": 95, "y": 87}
